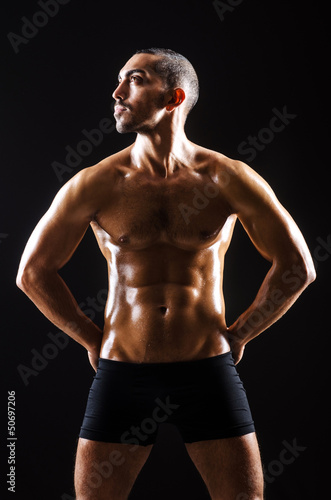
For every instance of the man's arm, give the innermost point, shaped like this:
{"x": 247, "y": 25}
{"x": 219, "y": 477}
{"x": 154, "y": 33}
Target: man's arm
{"x": 49, "y": 248}
{"x": 279, "y": 240}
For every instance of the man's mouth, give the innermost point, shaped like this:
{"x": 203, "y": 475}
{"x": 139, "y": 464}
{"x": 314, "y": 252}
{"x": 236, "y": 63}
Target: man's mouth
{"x": 119, "y": 109}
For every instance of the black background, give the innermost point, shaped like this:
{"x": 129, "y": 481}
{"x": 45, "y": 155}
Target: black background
{"x": 261, "y": 56}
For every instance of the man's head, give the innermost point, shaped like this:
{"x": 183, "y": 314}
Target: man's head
{"x": 151, "y": 82}
{"x": 176, "y": 72}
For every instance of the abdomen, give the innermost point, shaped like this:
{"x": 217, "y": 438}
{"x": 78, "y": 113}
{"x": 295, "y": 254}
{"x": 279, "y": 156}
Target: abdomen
{"x": 164, "y": 322}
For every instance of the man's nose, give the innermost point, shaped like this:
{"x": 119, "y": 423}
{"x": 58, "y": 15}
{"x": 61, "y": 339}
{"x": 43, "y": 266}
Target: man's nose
{"x": 120, "y": 92}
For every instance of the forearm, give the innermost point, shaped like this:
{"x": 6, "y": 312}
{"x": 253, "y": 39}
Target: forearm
{"x": 278, "y": 292}
{"x": 53, "y": 298}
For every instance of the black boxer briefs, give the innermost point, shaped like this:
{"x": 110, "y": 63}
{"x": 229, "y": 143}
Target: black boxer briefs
{"x": 204, "y": 398}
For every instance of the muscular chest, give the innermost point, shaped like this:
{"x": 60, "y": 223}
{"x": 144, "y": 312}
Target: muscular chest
{"x": 184, "y": 212}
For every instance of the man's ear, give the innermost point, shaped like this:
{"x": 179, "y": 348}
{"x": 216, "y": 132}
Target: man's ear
{"x": 178, "y": 96}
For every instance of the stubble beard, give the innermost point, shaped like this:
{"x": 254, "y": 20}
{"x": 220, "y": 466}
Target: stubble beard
{"x": 141, "y": 123}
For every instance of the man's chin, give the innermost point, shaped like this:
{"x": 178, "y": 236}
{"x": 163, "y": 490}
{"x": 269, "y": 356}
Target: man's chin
{"x": 123, "y": 128}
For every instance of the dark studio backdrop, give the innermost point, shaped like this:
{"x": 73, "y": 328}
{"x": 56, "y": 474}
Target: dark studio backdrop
{"x": 255, "y": 60}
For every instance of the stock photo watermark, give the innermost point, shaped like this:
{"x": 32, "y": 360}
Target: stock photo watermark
{"x": 74, "y": 157}
{"x": 223, "y": 8}
{"x": 40, "y": 359}
{"x": 248, "y": 148}
{"x": 253, "y": 144}
{"x": 294, "y": 277}
{"x": 11, "y": 441}
{"x": 136, "y": 435}
{"x": 59, "y": 341}
{"x": 201, "y": 199}
{"x": 322, "y": 251}
{"x": 275, "y": 468}
{"x": 30, "y": 27}
{"x": 199, "y": 202}
{"x": 289, "y": 453}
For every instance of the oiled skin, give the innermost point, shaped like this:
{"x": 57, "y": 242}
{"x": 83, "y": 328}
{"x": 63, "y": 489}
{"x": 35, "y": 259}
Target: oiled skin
{"x": 163, "y": 211}
{"x": 165, "y": 264}
{"x": 164, "y": 239}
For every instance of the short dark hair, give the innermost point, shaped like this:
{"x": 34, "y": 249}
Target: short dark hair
{"x": 176, "y": 71}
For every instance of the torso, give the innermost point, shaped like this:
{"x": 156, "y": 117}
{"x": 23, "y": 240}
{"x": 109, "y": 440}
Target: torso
{"x": 164, "y": 240}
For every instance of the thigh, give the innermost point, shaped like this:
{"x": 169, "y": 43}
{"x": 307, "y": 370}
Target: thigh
{"x": 231, "y": 467}
{"x": 107, "y": 470}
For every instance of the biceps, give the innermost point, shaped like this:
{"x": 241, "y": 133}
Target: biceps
{"x": 272, "y": 230}
{"x": 268, "y": 224}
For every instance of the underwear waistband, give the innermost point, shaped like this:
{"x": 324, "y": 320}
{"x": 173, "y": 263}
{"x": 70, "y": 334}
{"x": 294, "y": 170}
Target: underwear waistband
{"x": 110, "y": 364}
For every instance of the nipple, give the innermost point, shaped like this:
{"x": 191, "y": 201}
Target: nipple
{"x": 124, "y": 239}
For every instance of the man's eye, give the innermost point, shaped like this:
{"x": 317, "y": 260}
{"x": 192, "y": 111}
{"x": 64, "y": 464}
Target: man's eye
{"x": 135, "y": 78}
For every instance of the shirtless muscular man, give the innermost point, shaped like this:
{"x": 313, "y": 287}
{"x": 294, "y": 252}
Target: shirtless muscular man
{"x": 165, "y": 344}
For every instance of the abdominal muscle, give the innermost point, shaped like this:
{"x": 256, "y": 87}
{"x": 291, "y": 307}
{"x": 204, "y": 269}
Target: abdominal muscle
{"x": 164, "y": 322}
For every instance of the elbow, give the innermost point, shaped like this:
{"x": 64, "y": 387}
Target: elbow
{"x": 296, "y": 273}
{"x": 31, "y": 275}
{"x": 308, "y": 269}
{"x": 311, "y": 272}
{"x": 23, "y": 279}
{"x": 26, "y": 278}
{"x": 302, "y": 272}
{"x": 19, "y": 281}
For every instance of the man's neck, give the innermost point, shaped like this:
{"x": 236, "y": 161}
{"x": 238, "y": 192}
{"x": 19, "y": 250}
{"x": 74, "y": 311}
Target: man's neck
{"x": 161, "y": 150}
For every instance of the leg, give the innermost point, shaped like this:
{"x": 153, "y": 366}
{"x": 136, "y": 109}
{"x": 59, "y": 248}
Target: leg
{"x": 231, "y": 468}
{"x": 107, "y": 470}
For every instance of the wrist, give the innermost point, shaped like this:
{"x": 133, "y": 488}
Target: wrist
{"x": 94, "y": 344}
{"x": 92, "y": 338}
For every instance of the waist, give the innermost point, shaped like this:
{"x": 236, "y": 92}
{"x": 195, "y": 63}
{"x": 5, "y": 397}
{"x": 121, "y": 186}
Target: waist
{"x": 155, "y": 346}
{"x": 144, "y": 368}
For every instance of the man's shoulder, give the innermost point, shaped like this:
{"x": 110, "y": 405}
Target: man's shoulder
{"x": 218, "y": 165}
{"x": 93, "y": 184}
{"x": 107, "y": 169}
{"x": 236, "y": 181}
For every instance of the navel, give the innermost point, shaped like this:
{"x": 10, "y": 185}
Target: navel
{"x": 204, "y": 235}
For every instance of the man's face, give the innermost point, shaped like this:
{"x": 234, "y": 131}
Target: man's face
{"x": 140, "y": 96}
